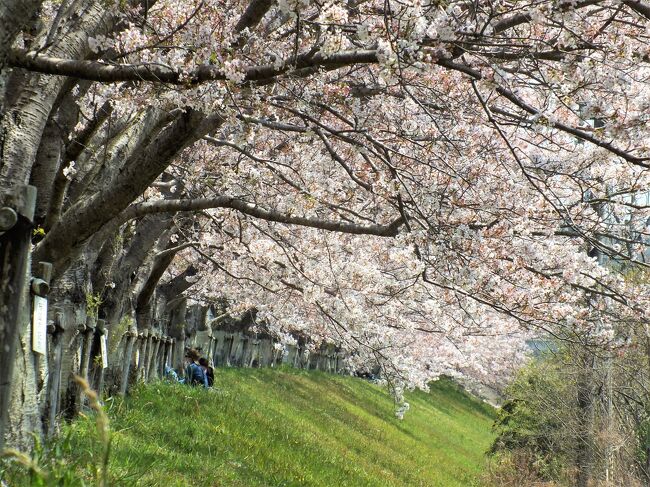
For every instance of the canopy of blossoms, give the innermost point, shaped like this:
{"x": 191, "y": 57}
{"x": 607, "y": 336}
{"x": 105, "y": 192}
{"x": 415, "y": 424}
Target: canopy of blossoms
{"x": 426, "y": 184}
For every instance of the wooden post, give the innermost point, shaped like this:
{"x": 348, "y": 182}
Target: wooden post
{"x": 55, "y": 329}
{"x": 87, "y": 340}
{"x": 263, "y": 357}
{"x": 273, "y": 357}
{"x": 306, "y": 358}
{"x": 242, "y": 349}
{"x": 267, "y": 353}
{"x": 219, "y": 347}
{"x": 138, "y": 357}
{"x": 340, "y": 362}
{"x": 172, "y": 358}
{"x": 86, "y": 333}
{"x": 213, "y": 349}
{"x": 131, "y": 336}
{"x": 158, "y": 358}
{"x": 151, "y": 358}
{"x": 289, "y": 357}
{"x": 232, "y": 352}
{"x": 314, "y": 360}
{"x": 152, "y": 365}
{"x": 70, "y": 362}
{"x": 163, "y": 355}
{"x": 77, "y": 343}
{"x": 142, "y": 355}
{"x": 149, "y": 353}
{"x": 151, "y": 350}
{"x": 16, "y": 218}
{"x": 224, "y": 350}
{"x": 246, "y": 349}
{"x": 167, "y": 354}
{"x": 255, "y": 352}
{"x": 209, "y": 354}
{"x": 178, "y": 354}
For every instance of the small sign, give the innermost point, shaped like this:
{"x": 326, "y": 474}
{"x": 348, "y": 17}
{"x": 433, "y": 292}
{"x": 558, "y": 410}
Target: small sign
{"x": 102, "y": 345}
{"x": 39, "y": 325}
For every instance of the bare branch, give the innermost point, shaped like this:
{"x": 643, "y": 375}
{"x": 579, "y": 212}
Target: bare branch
{"x": 340, "y": 160}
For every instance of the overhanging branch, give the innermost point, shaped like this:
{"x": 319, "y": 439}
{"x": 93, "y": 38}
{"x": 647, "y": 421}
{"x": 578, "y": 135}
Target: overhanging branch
{"x": 254, "y": 210}
{"x": 110, "y": 73}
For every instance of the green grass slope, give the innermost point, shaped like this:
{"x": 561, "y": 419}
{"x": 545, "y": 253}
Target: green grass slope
{"x": 266, "y": 427}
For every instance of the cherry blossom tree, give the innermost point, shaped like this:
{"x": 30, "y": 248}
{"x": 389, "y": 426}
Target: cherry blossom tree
{"x": 425, "y": 184}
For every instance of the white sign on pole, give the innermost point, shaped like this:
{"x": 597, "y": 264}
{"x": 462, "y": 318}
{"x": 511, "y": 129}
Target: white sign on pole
{"x": 39, "y": 325}
{"x": 102, "y": 344}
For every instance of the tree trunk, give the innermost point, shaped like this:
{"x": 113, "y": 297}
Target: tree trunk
{"x": 585, "y": 420}
{"x": 16, "y": 214}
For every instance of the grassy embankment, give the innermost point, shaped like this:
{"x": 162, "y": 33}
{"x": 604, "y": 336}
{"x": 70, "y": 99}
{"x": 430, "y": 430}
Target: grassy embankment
{"x": 288, "y": 428}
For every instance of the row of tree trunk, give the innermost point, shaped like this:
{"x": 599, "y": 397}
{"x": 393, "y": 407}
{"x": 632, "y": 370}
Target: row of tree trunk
{"x": 56, "y": 335}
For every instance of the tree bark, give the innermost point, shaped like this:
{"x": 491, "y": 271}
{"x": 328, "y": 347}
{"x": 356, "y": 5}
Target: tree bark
{"x": 17, "y": 212}
{"x": 85, "y": 218}
{"x": 14, "y": 15}
{"x": 44, "y": 170}
{"x": 23, "y": 123}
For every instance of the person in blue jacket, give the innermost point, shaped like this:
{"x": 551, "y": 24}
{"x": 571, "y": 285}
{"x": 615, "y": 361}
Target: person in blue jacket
{"x": 194, "y": 374}
{"x": 207, "y": 370}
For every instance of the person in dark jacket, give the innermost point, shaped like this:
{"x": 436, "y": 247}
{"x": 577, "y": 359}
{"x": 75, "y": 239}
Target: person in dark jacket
{"x": 194, "y": 374}
{"x": 207, "y": 370}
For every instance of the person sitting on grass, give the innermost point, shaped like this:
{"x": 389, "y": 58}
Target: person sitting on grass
{"x": 172, "y": 375}
{"x": 207, "y": 370}
{"x": 194, "y": 375}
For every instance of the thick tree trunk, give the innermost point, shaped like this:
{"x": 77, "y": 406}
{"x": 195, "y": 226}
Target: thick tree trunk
{"x": 144, "y": 301}
{"x": 177, "y": 332}
{"x": 26, "y": 108}
{"x": 118, "y": 298}
{"x": 14, "y": 16}
{"x": 16, "y": 214}
{"x": 70, "y": 294}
